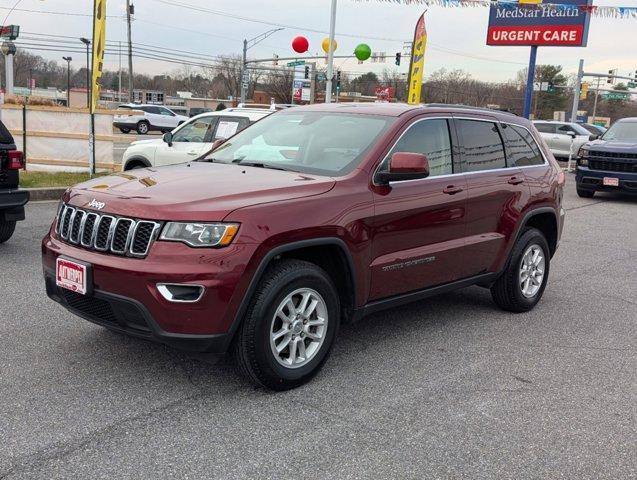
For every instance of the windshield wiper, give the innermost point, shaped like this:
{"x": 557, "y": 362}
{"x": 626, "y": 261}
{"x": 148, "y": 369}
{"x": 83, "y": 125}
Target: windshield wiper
{"x": 263, "y": 165}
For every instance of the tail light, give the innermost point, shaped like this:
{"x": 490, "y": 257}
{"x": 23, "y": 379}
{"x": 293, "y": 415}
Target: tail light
{"x": 16, "y": 160}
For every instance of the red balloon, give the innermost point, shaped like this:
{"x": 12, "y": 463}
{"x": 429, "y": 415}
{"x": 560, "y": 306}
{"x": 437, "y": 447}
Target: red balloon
{"x": 300, "y": 44}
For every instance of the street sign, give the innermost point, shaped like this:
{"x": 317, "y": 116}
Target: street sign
{"x": 532, "y": 24}
{"x": 632, "y": 85}
{"x": 10, "y": 31}
{"x": 296, "y": 63}
{"x": 616, "y": 96}
{"x": 320, "y": 77}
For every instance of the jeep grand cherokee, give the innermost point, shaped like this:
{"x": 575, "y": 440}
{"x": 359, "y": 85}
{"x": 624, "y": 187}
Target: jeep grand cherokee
{"x": 311, "y": 217}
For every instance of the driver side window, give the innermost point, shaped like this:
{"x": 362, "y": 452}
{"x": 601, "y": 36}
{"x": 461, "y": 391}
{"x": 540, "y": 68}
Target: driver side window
{"x": 195, "y": 131}
{"x": 430, "y": 137}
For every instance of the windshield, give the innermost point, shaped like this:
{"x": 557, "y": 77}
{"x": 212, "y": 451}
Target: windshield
{"x": 579, "y": 129}
{"x": 626, "y": 131}
{"x": 319, "y": 143}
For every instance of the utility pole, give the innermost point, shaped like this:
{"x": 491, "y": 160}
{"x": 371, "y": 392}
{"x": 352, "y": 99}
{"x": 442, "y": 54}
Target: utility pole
{"x": 119, "y": 76}
{"x": 87, "y": 42}
{"x": 330, "y": 55}
{"x": 68, "y": 80}
{"x": 244, "y": 72}
{"x": 576, "y": 92}
{"x": 130, "y": 10}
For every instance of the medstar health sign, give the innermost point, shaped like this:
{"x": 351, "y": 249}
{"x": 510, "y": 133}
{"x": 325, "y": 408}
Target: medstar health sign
{"x": 557, "y": 23}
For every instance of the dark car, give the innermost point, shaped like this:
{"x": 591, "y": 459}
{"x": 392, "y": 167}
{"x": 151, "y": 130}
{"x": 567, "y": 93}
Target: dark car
{"x": 12, "y": 198}
{"x": 609, "y": 163}
{"x": 310, "y": 217}
{"x": 595, "y": 130}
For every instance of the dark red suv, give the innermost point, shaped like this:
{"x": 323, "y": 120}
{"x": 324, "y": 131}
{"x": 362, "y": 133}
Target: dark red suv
{"x": 311, "y": 217}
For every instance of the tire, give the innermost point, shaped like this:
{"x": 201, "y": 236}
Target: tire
{"x": 6, "y": 230}
{"x": 124, "y": 130}
{"x": 254, "y": 345}
{"x": 508, "y": 291}
{"x": 143, "y": 127}
{"x": 583, "y": 193}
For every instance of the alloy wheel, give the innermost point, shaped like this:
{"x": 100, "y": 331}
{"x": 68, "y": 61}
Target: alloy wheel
{"x": 532, "y": 269}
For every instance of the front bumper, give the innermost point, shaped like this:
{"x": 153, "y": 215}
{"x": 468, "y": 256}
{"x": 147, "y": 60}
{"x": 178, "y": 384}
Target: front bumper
{"x": 588, "y": 179}
{"x": 12, "y": 204}
{"x": 125, "y": 296}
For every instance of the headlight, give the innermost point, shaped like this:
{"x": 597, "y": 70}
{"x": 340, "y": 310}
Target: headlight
{"x": 200, "y": 234}
{"x": 583, "y": 157}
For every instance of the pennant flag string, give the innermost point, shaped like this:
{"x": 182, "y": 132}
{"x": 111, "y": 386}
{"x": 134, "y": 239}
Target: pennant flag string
{"x": 602, "y": 11}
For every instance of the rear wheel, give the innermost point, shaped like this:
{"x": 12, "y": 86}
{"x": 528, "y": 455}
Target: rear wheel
{"x": 522, "y": 283}
{"x": 583, "y": 193}
{"x": 290, "y": 326}
{"x": 143, "y": 127}
{"x": 6, "y": 230}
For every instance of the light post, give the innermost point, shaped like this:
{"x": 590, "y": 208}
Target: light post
{"x": 87, "y": 42}
{"x": 68, "y": 80}
{"x": 330, "y": 55}
{"x": 248, "y": 44}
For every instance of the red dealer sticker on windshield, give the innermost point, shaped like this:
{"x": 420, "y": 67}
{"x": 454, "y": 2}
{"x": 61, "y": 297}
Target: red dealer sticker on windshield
{"x": 536, "y": 35}
{"x": 71, "y": 275}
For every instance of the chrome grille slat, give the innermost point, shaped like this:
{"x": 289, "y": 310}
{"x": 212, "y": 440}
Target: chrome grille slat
{"x": 106, "y": 233}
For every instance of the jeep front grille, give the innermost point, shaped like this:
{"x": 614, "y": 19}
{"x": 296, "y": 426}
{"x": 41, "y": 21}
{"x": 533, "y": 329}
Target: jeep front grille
{"x": 106, "y": 233}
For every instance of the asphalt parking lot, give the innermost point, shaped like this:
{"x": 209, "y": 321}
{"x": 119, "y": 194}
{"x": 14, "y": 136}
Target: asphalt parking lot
{"x": 450, "y": 387}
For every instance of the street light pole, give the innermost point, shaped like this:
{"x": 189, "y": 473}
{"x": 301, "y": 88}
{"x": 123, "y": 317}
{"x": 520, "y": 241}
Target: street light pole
{"x": 330, "y": 55}
{"x": 248, "y": 44}
{"x": 87, "y": 42}
{"x": 68, "y": 80}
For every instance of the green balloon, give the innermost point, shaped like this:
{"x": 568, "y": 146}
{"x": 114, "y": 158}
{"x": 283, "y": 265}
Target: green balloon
{"x": 362, "y": 52}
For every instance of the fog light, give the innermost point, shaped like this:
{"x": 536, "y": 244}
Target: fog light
{"x": 180, "y": 292}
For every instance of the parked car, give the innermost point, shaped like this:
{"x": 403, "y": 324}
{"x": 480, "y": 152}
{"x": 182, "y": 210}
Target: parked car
{"x": 311, "y": 217}
{"x": 595, "y": 130}
{"x": 194, "y": 111}
{"x": 562, "y": 136}
{"x": 12, "y": 198}
{"x": 144, "y": 118}
{"x": 609, "y": 163}
{"x": 191, "y": 140}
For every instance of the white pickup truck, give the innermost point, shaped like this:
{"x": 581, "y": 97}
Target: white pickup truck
{"x": 192, "y": 139}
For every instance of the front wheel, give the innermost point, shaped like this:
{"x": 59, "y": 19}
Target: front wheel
{"x": 522, "y": 283}
{"x": 583, "y": 193}
{"x": 290, "y": 326}
{"x": 6, "y": 230}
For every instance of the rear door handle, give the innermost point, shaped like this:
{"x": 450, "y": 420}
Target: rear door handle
{"x": 515, "y": 180}
{"x": 452, "y": 190}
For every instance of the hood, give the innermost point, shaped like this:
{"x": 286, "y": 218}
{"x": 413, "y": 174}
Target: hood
{"x": 156, "y": 141}
{"x": 615, "y": 146}
{"x": 193, "y": 191}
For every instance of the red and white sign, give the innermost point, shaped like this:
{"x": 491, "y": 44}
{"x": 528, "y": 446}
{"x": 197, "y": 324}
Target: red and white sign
{"x": 71, "y": 275}
{"x": 384, "y": 93}
{"x": 611, "y": 182}
{"x": 565, "y": 35}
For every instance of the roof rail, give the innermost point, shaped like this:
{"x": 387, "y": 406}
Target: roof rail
{"x": 468, "y": 107}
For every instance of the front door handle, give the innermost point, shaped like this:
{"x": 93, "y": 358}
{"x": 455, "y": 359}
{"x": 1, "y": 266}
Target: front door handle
{"x": 515, "y": 180}
{"x": 452, "y": 190}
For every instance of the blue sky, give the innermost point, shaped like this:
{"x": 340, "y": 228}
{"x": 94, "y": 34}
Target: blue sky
{"x": 456, "y": 36}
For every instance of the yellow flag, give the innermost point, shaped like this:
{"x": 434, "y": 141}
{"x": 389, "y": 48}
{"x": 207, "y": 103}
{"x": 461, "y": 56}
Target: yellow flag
{"x": 99, "y": 44}
{"x": 417, "y": 62}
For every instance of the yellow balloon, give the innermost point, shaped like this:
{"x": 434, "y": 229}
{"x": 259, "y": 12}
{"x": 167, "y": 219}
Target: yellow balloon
{"x": 326, "y": 45}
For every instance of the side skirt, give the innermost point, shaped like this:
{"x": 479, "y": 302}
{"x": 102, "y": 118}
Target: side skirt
{"x": 484, "y": 279}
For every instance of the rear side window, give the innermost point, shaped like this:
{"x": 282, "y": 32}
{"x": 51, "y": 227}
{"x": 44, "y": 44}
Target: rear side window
{"x": 430, "y": 137}
{"x": 545, "y": 127}
{"x": 523, "y": 150}
{"x": 482, "y": 145}
{"x": 151, "y": 110}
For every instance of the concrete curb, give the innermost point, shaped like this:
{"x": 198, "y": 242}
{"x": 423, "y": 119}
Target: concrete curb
{"x": 45, "y": 193}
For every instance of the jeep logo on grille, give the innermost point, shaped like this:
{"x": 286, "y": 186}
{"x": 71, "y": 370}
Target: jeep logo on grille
{"x": 96, "y": 205}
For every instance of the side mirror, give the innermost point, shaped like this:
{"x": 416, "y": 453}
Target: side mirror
{"x": 217, "y": 143}
{"x": 571, "y": 134}
{"x": 404, "y": 166}
{"x": 168, "y": 138}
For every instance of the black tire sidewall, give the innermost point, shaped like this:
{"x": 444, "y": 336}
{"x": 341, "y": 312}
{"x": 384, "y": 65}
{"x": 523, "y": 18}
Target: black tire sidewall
{"x": 531, "y": 236}
{"x": 265, "y": 310}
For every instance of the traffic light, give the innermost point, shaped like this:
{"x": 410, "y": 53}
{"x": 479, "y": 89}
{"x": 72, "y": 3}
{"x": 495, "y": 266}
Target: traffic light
{"x": 551, "y": 87}
{"x": 338, "y": 79}
{"x": 397, "y": 61}
{"x": 635, "y": 76}
{"x": 275, "y": 59}
{"x": 584, "y": 91}
{"x": 611, "y": 76}
{"x": 307, "y": 72}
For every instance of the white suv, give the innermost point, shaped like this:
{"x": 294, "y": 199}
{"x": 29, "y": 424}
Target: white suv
{"x": 562, "y": 137}
{"x": 192, "y": 139}
{"x": 144, "y": 118}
